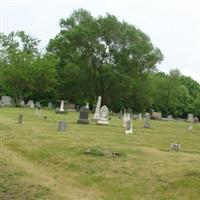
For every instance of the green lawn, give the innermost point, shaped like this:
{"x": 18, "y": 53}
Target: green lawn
{"x": 37, "y": 162}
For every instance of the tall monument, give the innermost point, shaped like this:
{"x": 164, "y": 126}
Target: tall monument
{"x": 97, "y": 110}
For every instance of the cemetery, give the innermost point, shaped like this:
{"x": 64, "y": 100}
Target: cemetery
{"x": 71, "y": 156}
{"x": 94, "y": 111}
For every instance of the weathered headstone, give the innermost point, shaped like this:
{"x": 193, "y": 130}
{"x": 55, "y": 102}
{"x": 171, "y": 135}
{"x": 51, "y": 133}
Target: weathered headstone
{"x": 196, "y": 120}
{"x": 20, "y": 119}
{"x": 128, "y": 127}
{"x": 83, "y": 117}
{"x": 62, "y": 125}
{"x": 124, "y": 118}
{"x": 140, "y": 116}
{"x": 190, "y": 117}
{"x": 32, "y": 105}
{"x": 29, "y": 103}
{"x": 103, "y": 119}
{"x": 22, "y": 103}
{"x": 37, "y": 104}
{"x": 147, "y": 121}
{"x": 97, "y": 110}
{"x": 49, "y": 105}
{"x": 6, "y": 100}
{"x": 175, "y": 147}
{"x": 156, "y": 115}
{"x": 170, "y": 117}
{"x": 71, "y": 107}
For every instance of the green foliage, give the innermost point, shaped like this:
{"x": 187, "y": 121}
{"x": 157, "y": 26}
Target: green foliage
{"x": 93, "y": 57}
{"x": 105, "y": 55}
{"x": 175, "y": 94}
{"x": 25, "y": 73}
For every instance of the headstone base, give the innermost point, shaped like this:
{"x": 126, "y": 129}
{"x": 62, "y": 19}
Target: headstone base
{"x": 103, "y": 122}
{"x": 128, "y": 131}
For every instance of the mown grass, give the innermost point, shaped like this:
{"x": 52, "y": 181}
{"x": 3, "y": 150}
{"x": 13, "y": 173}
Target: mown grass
{"x": 38, "y": 162}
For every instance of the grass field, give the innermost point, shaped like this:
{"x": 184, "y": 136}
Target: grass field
{"x": 37, "y": 162}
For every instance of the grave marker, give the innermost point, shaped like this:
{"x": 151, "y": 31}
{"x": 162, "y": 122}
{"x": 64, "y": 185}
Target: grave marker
{"x": 62, "y": 125}
{"x": 147, "y": 121}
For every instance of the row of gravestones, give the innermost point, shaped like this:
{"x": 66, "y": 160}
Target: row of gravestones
{"x": 100, "y": 116}
{"x": 127, "y": 122}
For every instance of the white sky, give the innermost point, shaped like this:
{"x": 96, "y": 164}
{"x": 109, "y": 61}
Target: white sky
{"x": 173, "y": 25}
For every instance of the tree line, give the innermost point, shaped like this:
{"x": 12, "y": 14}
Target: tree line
{"x": 93, "y": 57}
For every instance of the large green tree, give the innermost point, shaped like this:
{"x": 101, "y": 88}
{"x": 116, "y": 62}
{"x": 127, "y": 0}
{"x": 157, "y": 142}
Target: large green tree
{"x": 24, "y": 71}
{"x": 103, "y": 56}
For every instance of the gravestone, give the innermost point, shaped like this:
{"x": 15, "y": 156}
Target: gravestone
{"x": 103, "y": 118}
{"x": 175, "y": 147}
{"x": 29, "y": 103}
{"x": 62, "y": 106}
{"x": 6, "y": 100}
{"x": 32, "y": 105}
{"x": 170, "y": 117}
{"x": 135, "y": 116}
{"x": 20, "y": 119}
{"x": 87, "y": 106}
{"x": 140, "y": 116}
{"x": 156, "y": 115}
{"x": 49, "y": 105}
{"x": 190, "y": 117}
{"x": 97, "y": 110}
{"x": 147, "y": 121}
{"x": 61, "y": 110}
{"x": 196, "y": 120}
{"x": 124, "y": 118}
{"x": 83, "y": 117}
{"x": 22, "y": 103}
{"x": 128, "y": 127}
{"x": 62, "y": 125}
{"x": 37, "y": 104}
{"x": 71, "y": 107}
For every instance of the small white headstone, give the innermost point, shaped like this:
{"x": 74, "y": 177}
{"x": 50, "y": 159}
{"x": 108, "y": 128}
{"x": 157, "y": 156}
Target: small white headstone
{"x": 147, "y": 121}
{"x": 128, "y": 127}
{"x": 103, "y": 119}
{"x": 32, "y": 105}
{"x": 139, "y": 116}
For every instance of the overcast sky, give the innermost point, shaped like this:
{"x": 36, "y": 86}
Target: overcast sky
{"x": 173, "y": 25}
